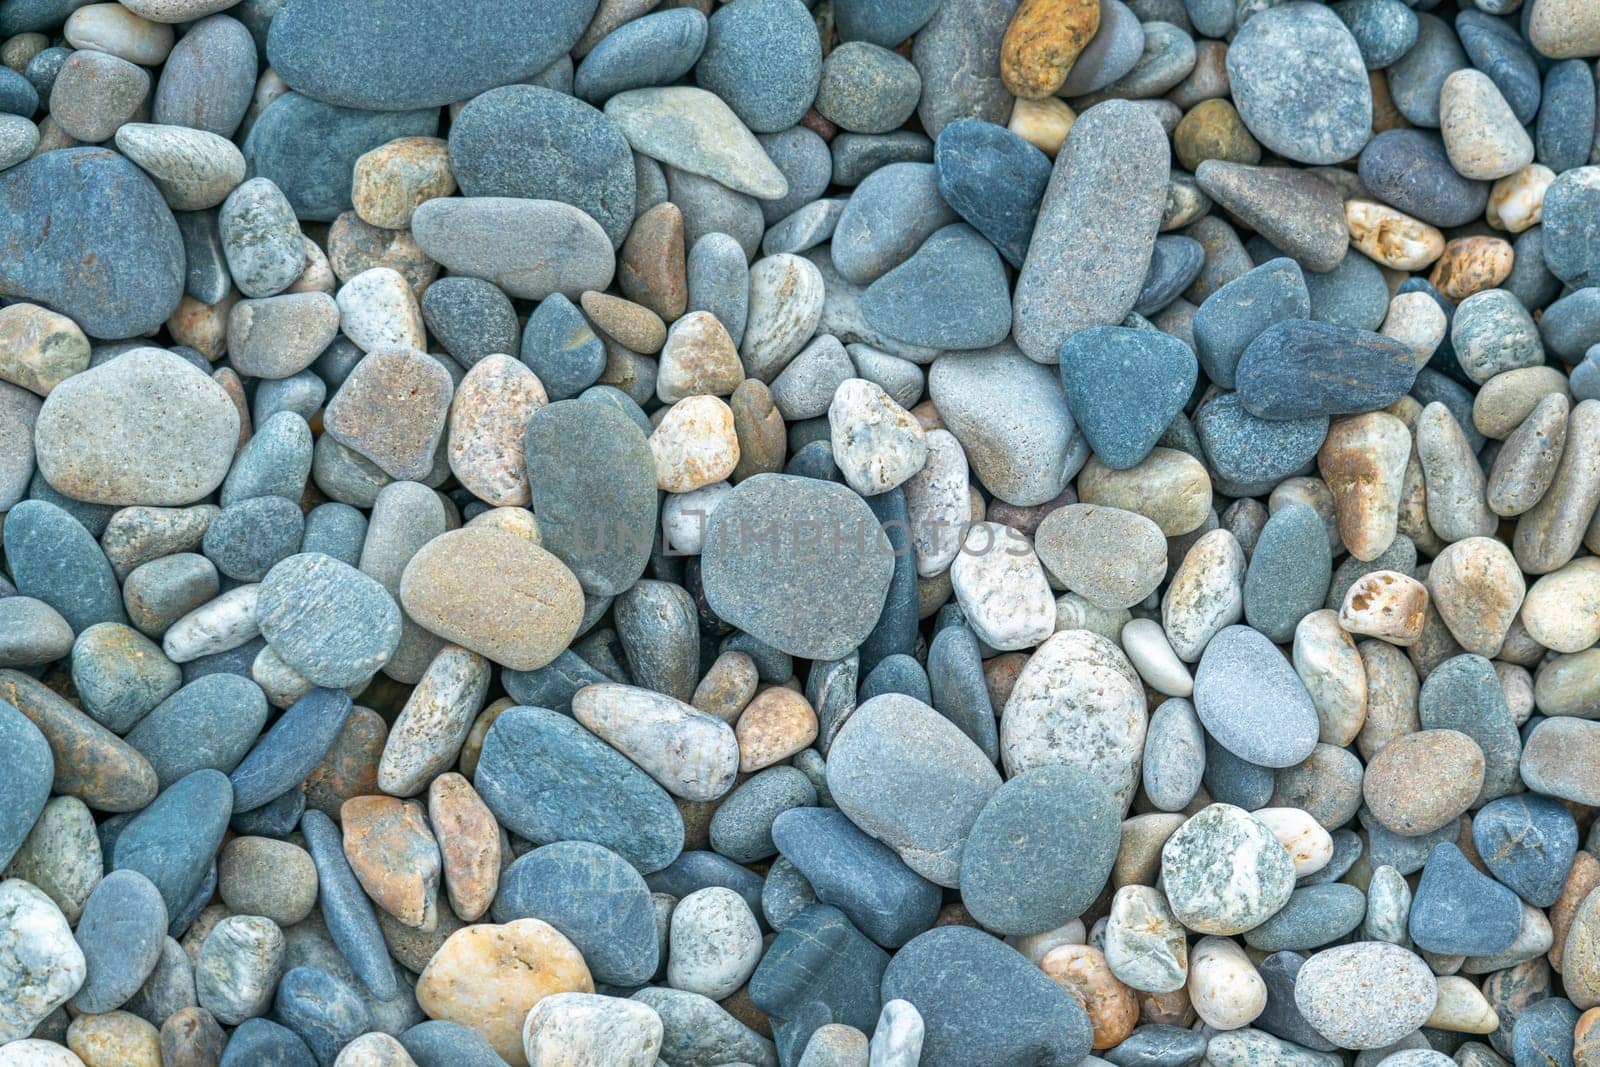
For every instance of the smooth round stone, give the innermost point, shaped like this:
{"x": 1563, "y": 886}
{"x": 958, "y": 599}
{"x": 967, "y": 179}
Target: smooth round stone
{"x": 437, "y": 1043}
{"x": 1231, "y": 780}
{"x": 1175, "y": 264}
{"x": 1174, "y": 755}
{"x": 32, "y": 633}
{"x": 958, "y": 55}
{"x": 993, "y": 179}
{"x": 647, "y": 51}
{"x": 557, "y": 343}
{"x": 274, "y": 462}
{"x": 321, "y": 1008}
{"x": 1225, "y": 872}
{"x": 1098, "y": 223}
{"x": 1298, "y": 369}
{"x": 306, "y": 609}
{"x": 1011, "y": 418}
{"x": 238, "y": 967}
{"x": 1557, "y": 757}
{"x": 121, "y": 932}
{"x": 1459, "y": 910}
{"x": 741, "y": 828}
{"x": 1497, "y": 50}
{"x": 48, "y": 967}
{"x": 273, "y": 879}
{"x": 194, "y": 169}
{"x": 1334, "y": 991}
{"x": 1235, "y": 314}
{"x": 1484, "y": 139}
{"x": 1528, "y": 843}
{"x": 290, "y": 750}
{"x": 53, "y": 559}
{"x": 1050, "y": 818}
{"x": 18, "y": 138}
{"x": 695, "y": 1029}
{"x": 1274, "y": 61}
{"x": 979, "y": 998}
{"x": 209, "y": 723}
{"x": 1464, "y": 694}
{"x": 61, "y": 853}
{"x": 1294, "y": 211}
{"x": 504, "y": 144}
{"x": 1544, "y": 1032}
{"x": 471, "y": 319}
{"x": 1420, "y": 782}
{"x": 407, "y": 55}
{"x": 208, "y": 79}
{"x": 1124, "y": 387}
{"x": 261, "y": 238}
{"x": 716, "y": 943}
{"x": 1353, "y": 294}
{"x": 1288, "y": 574}
{"x": 172, "y": 841}
{"x": 309, "y": 148}
{"x": 1314, "y": 916}
{"x": 1239, "y": 667}
{"x": 745, "y": 576}
{"x": 95, "y": 93}
{"x": 1254, "y": 452}
{"x": 1410, "y": 170}
{"x": 951, "y": 294}
{"x": 1384, "y": 30}
{"x": 866, "y": 88}
{"x": 693, "y": 130}
{"x": 762, "y": 57}
{"x": 1110, "y": 557}
{"x": 261, "y": 1041}
{"x": 120, "y": 675}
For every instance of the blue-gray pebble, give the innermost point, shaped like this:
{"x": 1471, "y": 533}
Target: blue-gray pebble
{"x": 1124, "y": 387}
{"x": 172, "y": 841}
{"x": 993, "y": 179}
{"x": 1459, "y": 910}
{"x": 1249, "y": 698}
{"x": 764, "y": 59}
{"x": 1289, "y": 572}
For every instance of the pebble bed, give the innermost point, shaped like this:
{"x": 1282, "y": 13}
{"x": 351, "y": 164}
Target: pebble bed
{"x": 799, "y": 533}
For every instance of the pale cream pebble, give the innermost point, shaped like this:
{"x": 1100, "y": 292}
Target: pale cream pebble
{"x": 1309, "y": 845}
{"x": 1224, "y": 986}
{"x": 1562, "y": 609}
{"x": 1042, "y": 123}
{"x": 1390, "y": 236}
{"x": 1002, "y": 588}
{"x": 1151, "y": 654}
{"x": 1326, "y": 659}
{"x": 1416, "y": 320}
{"x": 318, "y": 276}
{"x": 695, "y": 444}
{"x": 378, "y": 310}
{"x": 1462, "y": 1008}
{"x": 1516, "y": 202}
{"x": 218, "y": 625}
{"x": 877, "y": 444}
{"x": 1517, "y": 686}
{"x": 1387, "y": 605}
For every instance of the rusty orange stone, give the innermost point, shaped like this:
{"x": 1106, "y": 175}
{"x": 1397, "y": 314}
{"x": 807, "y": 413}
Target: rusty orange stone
{"x": 1470, "y": 265}
{"x": 1082, "y": 971}
{"x": 394, "y": 856}
{"x": 469, "y": 844}
{"x": 778, "y": 723}
{"x": 1042, "y": 43}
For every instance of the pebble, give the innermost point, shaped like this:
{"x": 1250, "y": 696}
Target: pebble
{"x": 512, "y": 243}
{"x": 120, "y": 931}
{"x": 1452, "y": 886}
{"x": 238, "y": 968}
{"x": 1270, "y": 62}
{"x": 1236, "y": 653}
{"x": 1225, "y": 872}
{"x": 586, "y": 1028}
{"x": 1483, "y": 137}
{"x": 1331, "y": 988}
{"x": 1295, "y": 369}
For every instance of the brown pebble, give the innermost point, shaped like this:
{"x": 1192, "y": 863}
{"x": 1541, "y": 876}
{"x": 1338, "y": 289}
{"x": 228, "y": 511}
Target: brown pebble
{"x": 698, "y": 357}
{"x": 651, "y": 268}
{"x": 763, "y": 440}
{"x": 778, "y": 723}
{"x": 1582, "y": 877}
{"x": 1042, "y": 43}
{"x": 203, "y": 327}
{"x": 1082, "y": 971}
{"x": 1213, "y": 130}
{"x": 634, "y": 325}
{"x": 350, "y": 768}
{"x": 355, "y": 246}
{"x": 392, "y": 180}
{"x": 1470, "y": 265}
{"x": 1167, "y": 1009}
{"x": 191, "y": 1038}
{"x": 1000, "y": 675}
{"x": 392, "y": 409}
{"x": 1423, "y": 781}
{"x": 231, "y": 384}
{"x": 469, "y": 844}
{"x": 394, "y": 856}
{"x": 727, "y": 687}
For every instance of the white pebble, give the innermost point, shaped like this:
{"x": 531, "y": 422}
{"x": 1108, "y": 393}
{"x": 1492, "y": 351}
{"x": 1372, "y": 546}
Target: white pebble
{"x": 1224, "y": 986}
{"x": 218, "y": 625}
{"x": 1151, "y": 655}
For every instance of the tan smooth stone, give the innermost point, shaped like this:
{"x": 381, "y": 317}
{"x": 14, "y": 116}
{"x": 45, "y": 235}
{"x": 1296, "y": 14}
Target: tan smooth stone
{"x": 1452, "y": 478}
{"x": 1481, "y": 135}
{"x": 1139, "y": 854}
{"x": 728, "y": 686}
{"x": 392, "y": 180}
{"x": 1082, "y": 971}
{"x": 1416, "y": 320}
{"x": 695, "y": 445}
{"x": 1580, "y": 960}
{"x": 1423, "y": 781}
{"x": 115, "y": 1039}
{"x": 1582, "y": 877}
{"x": 1041, "y": 43}
{"x": 115, "y": 29}
{"x": 632, "y": 325}
{"x": 1477, "y": 588}
{"x": 394, "y": 856}
{"x": 488, "y": 419}
{"x": 1392, "y": 690}
{"x": 428, "y": 732}
{"x": 1363, "y": 462}
{"x": 469, "y": 844}
{"x": 1516, "y": 202}
{"x": 392, "y": 409}
{"x": 1507, "y": 399}
{"x": 1562, "y": 610}
{"x": 1168, "y": 487}
{"x": 1461, "y": 1008}
{"x": 39, "y": 348}
{"x": 374, "y": 1050}
{"x": 1308, "y": 844}
{"x": 489, "y": 977}
{"x": 697, "y": 357}
{"x": 1327, "y": 662}
{"x": 1042, "y": 123}
{"x": 759, "y": 430}
{"x": 774, "y": 726}
{"x": 1387, "y": 605}
{"x": 1225, "y": 988}
{"x": 1470, "y": 265}
{"x": 1390, "y": 236}
{"x": 1206, "y": 594}
{"x": 494, "y": 593}
{"x": 651, "y": 267}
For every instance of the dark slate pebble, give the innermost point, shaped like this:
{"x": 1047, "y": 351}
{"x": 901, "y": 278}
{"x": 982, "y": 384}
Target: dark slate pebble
{"x": 247, "y": 537}
{"x": 552, "y": 686}
{"x": 1233, "y": 316}
{"x": 1255, "y": 453}
{"x": 1124, "y": 387}
{"x": 741, "y": 828}
{"x": 1384, "y": 30}
{"x": 656, "y": 49}
{"x": 351, "y": 922}
{"x": 1385, "y": 848}
{"x": 951, "y": 294}
{"x": 1159, "y": 1045}
{"x": 120, "y": 223}
{"x": 1495, "y": 47}
{"x": 861, "y": 877}
{"x": 263, "y": 1043}
{"x": 764, "y": 59}
{"x": 208, "y": 79}
{"x": 1231, "y": 780}
{"x": 17, "y": 94}
{"x": 26, "y": 786}
{"x": 1281, "y": 1017}
{"x": 336, "y": 530}
{"x": 1565, "y": 129}
{"x": 957, "y": 686}
{"x": 121, "y": 931}
{"x": 1352, "y": 294}
{"x": 546, "y": 778}
{"x": 472, "y": 318}
{"x": 818, "y": 970}
{"x": 172, "y": 841}
{"x": 1174, "y": 266}
{"x": 22, "y": 16}
{"x": 309, "y": 148}
{"x": 276, "y": 818}
{"x": 326, "y": 1012}
{"x": 981, "y": 1001}
{"x": 1040, "y": 851}
{"x": 866, "y": 88}
{"x": 206, "y": 275}
{"x": 1528, "y": 843}
{"x": 289, "y": 751}
{"x": 185, "y": 916}
{"x": 1289, "y": 572}
{"x": 592, "y": 896}
{"x": 559, "y": 346}
{"x": 533, "y": 143}
{"x": 1315, "y": 915}
{"x": 1299, "y": 369}
{"x": 1409, "y": 169}
{"x": 209, "y": 723}
{"x": 437, "y": 1043}
{"x": 54, "y": 559}
{"x": 1458, "y": 910}
{"x": 899, "y": 673}
{"x": 1542, "y": 1033}
{"x": 593, "y": 480}
{"x": 391, "y": 55}
{"x": 856, "y": 156}
{"x": 993, "y": 179}
{"x": 895, "y": 632}
{"x": 42, "y": 70}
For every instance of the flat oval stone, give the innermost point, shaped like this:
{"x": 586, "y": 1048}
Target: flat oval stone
{"x": 1300, "y": 84}
{"x": 405, "y": 54}
{"x": 764, "y": 59}
{"x": 978, "y": 998}
{"x": 209, "y": 723}
{"x": 288, "y": 752}
{"x": 1047, "y": 819}
{"x": 144, "y": 428}
{"x": 90, "y": 762}
{"x": 1098, "y": 222}
{"x": 172, "y": 841}
{"x": 1333, "y": 990}
{"x": 1410, "y": 170}
{"x": 331, "y": 623}
{"x": 1235, "y": 314}
{"x": 1288, "y": 574}
{"x": 121, "y": 932}
{"x": 529, "y": 248}
{"x": 950, "y": 294}
{"x": 123, "y": 226}
{"x": 1225, "y": 872}
{"x": 54, "y": 560}
{"x": 1111, "y": 557}
{"x": 1296, "y": 369}
{"x": 692, "y": 754}
{"x": 209, "y": 77}
{"x": 530, "y": 142}
{"x": 993, "y": 179}
{"x": 548, "y": 779}
{"x": 1237, "y": 670}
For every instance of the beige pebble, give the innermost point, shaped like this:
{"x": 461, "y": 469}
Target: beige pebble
{"x": 1152, "y": 656}
{"x": 115, "y": 1039}
{"x": 1461, "y": 1008}
{"x": 1550, "y": 533}
{"x": 1392, "y": 690}
{"x": 1562, "y": 609}
{"x": 1416, "y": 320}
{"x": 1508, "y": 398}
{"x": 1387, "y": 605}
{"x": 727, "y": 687}
{"x": 1516, "y": 202}
{"x": 1422, "y": 781}
{"x": 488, "y": 420}
{"x": 1139, "y": 855}
{"x": 1482, "y": 136}
{"x": 1477, "y": 588}
{"x": 113, "y": 28}
{"x": 1169, "y": 487}
{"x": 693, "y": 755}
{"x": 1224, "y": 986}
{"x": 1453, "y": 478}
{"x": 1082, "y": 971}
{"x": 392, "y": 180}
{"x": 1036, "y": 946}
{"x": 203, "y": 327}
{"x": 695, "y": 444}
{"x": 1363, "y": 463}
{"x": 318, "y": 276}
{"x": 1042, "y": 123}
{"x": 1327, "y": 662}
{"x": 469, "y": 844}
{"x": 374, "y": 1050}
{"x": 1582, "y": 878}
{"x": 1390, "y": 236}
{"x": 697, "y": 357}
{"x": 633, "y": 325}
{"x": 1526, "y": 465}
{"x": 1308, "y": 844}
{"x": 1206, "y": 594}
{"x": 877, "y": 444}
{"x": 774, "y": 726}
{"x": 39, "y": 349}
